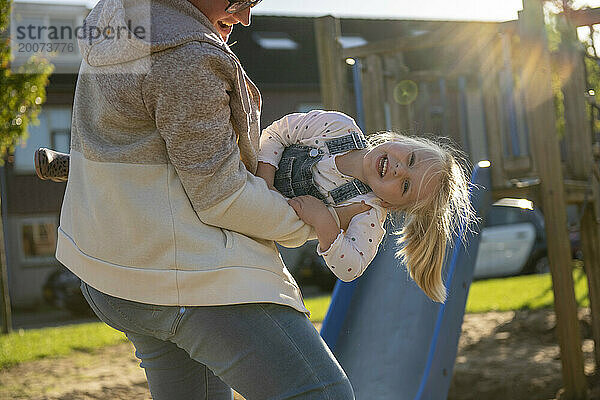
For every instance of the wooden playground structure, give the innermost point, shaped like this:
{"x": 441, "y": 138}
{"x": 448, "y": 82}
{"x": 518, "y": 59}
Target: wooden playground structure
{"x": 491, "y": 87}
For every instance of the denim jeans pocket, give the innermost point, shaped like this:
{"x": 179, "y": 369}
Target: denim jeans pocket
{"x": 94, "y": 299}
{"x": 131, "y": 316}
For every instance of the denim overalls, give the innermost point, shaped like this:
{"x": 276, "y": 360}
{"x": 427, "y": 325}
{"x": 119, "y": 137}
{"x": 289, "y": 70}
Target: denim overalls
{"x": 294, "y": 176}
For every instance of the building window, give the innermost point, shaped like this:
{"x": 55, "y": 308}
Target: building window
{"x": 49, "y": 31}
{"x": 64, "y": 32}
{"x": 60, "y": 140}
{"x": 53, "y": 130}
{"x": 275, "y": 41}
{"x": 352, "y": 41}
{"x": 38, "y": 240}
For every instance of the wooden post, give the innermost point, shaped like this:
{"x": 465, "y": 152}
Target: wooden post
{"x": 4, "y": 294}
{"x": 373, "y": 94}
{"x": 571, "y": 71}
{"x": 578, "y": 137}
{"x": 536, "y": 78}
{"x": 5, "y": 307}
{"x": 590, "y": 244}
{"x": 331, "y": 68}
{"x": 492, "y": 103}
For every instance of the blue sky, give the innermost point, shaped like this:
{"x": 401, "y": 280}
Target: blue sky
{"x": 486, "y": 10}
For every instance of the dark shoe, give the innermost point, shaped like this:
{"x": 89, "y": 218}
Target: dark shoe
{"x": 51, "y": 165}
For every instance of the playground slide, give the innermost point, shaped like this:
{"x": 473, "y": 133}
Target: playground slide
{"x": 393, "y": 341}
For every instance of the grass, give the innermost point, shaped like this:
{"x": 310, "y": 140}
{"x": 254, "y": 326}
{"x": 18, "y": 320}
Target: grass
{"x": 318, "y": 307}
{"x": 515, "y": 293}
{"x": 21, "y": 346}
{"x": 528, "y": 292}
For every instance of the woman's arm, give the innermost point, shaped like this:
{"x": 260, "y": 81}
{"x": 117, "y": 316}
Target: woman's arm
{"x": 192, "y": 113}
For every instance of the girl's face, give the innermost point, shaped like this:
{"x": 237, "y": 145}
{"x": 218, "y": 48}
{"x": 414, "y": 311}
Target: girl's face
{"x": 401, "y": 174}
{"x": 214, "y": 10}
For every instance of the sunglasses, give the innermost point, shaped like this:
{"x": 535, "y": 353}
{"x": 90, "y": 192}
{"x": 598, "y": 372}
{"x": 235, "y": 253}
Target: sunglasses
{"x": 235, "y": 6}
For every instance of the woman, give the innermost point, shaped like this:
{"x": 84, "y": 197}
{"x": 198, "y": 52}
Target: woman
{"x": 163, "y": 220}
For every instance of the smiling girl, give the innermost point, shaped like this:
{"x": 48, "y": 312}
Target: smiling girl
{"x": 322, "y": 162}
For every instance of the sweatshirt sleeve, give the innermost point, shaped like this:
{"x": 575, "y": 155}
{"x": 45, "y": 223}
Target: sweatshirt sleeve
{"x": 187, "y": 94}
{"x": 276, "y": 137}
{"x": 352, "y": 251}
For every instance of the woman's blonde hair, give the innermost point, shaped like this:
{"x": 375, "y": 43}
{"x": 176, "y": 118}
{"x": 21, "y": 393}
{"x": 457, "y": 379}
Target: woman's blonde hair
{"x": 432, "y": 222}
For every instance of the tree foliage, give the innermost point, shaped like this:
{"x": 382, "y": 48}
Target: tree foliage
{"x": 22, "y": 90}
{"x": 560, "y": 36}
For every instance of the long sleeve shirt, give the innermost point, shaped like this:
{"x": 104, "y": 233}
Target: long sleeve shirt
{"x": 353, "y": 250}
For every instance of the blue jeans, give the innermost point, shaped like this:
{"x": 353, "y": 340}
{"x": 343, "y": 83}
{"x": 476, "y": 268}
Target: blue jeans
{"x": 262, "y": 350}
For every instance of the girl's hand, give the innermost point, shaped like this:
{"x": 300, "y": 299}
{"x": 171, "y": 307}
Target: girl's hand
{"x": 346, "y": 213}
{"x": 315, "y": 213}
{"x": 267, "y": 172}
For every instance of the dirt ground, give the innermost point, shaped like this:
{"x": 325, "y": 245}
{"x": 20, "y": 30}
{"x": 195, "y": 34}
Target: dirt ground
{"x": 502, "y": 355}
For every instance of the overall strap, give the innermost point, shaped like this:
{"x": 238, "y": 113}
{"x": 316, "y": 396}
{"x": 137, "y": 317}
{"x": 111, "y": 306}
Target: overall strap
{"x": 349, "y": 190}
{"x": 353, "y": 141}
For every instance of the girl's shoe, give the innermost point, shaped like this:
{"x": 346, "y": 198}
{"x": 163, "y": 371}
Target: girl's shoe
{"x": 51, "y": 165}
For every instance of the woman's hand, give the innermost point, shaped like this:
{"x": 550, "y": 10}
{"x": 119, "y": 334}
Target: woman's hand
{"x": 315, "y": 213}
{"x": 311, "y": 210}
{"x": 346, "y": 213}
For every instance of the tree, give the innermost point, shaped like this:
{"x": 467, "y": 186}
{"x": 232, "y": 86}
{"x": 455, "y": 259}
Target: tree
{"x": 22, "y": 92}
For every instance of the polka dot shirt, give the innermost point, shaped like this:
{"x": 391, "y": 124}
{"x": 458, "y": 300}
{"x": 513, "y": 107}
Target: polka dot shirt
{"x": 353, "y": 250}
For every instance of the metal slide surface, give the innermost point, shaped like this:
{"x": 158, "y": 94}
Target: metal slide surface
{"x": 393, "y": 341}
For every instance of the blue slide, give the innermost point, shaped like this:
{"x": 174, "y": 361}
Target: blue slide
{"x": 392, "y": 340}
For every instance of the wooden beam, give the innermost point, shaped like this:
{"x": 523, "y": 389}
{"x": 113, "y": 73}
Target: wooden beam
{"x": 331, "y": 73}
{"x": 530, "y": 193}
{"x": 536, "y": 77}
{"x": 578, "y": 192}
{"x": 443, "y": 36}
{"x": 587, "y": 17}
{"x": 516, "y": 167}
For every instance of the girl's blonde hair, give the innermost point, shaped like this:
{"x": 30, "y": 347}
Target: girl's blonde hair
{"x": 432, "y": 222}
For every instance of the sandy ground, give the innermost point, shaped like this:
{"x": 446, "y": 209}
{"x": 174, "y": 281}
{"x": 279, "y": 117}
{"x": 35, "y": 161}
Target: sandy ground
{"x": 502, "y": 355}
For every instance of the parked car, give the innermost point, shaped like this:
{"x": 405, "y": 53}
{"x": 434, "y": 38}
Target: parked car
{"x": 513, "y": 241}
{"x": 307, "y": 267}
{"x": 62, "y": 291}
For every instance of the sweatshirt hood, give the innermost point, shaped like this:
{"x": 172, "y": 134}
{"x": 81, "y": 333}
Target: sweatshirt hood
{"x": 120, "y": 31}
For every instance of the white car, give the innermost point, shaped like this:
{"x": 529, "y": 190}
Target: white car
{"x": 512, "y": 241}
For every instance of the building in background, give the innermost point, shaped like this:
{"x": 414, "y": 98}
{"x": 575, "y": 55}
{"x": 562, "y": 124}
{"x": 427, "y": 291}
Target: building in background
{"x": 32, "y": 206}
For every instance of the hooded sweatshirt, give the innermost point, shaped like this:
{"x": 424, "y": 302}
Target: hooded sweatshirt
{"x": 161, "y": 204}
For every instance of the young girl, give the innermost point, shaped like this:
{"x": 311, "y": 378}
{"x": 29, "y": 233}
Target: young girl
{"x": 321, "y": 159}
{"x": 323, "y": 163}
